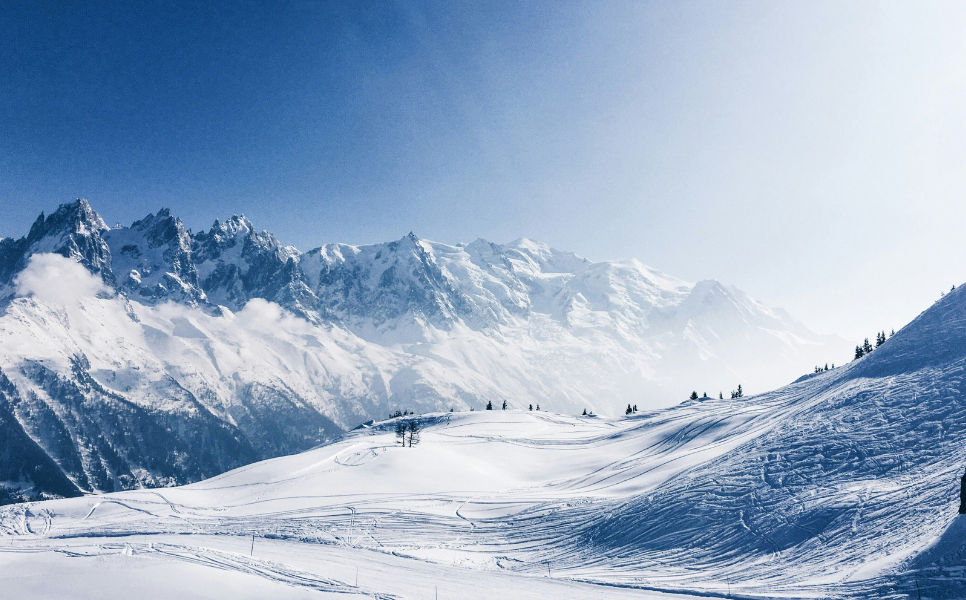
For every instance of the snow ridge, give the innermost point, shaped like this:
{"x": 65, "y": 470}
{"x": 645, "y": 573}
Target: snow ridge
{"x": 229, "y": 334}
{"x": 844, "y": 484}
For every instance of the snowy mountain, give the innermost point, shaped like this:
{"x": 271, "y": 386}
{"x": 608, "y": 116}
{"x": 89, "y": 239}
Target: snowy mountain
{"x": 843, "y": 484}
{"x": 151, "y": 356}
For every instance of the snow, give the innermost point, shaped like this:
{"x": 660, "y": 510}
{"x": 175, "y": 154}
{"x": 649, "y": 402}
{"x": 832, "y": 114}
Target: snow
{"x": 842, "y": 485}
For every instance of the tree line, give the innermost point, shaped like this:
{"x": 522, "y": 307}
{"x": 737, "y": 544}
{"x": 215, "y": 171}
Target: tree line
{"x": 867, "y": 348}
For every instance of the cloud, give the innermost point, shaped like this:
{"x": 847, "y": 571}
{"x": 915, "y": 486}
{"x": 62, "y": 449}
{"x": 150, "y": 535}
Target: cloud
{"x": 54, "y": 279}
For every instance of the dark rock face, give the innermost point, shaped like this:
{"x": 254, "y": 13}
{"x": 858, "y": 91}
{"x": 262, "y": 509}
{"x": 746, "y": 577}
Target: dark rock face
{"x": 22, "y": 460}
{"x": 153, "y": 262}
{"x": 104, "y": 443}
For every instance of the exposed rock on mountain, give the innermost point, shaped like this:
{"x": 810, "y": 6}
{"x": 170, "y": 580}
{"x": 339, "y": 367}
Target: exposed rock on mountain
{"x": 151, "y": 355}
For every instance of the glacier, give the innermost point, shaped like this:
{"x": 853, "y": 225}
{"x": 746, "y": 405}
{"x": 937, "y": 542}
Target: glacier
{"x": 151, "y": 356}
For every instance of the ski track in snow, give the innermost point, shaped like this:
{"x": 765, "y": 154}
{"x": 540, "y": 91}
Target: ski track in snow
{"x": 841, "y": 485}
{"x": 516, "y": 493}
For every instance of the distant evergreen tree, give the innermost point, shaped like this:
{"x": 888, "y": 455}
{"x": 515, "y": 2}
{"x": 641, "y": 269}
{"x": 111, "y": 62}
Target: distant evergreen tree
{"x": 720, "y": 396}
{"x": 629, "y": 410}
{"x": 866, "y": 346}
{"x": 739, "y": 393}
{"x": 833, "y": 365}
{"x": 401, "y": 432}
{"x": 694, "y": 395}
{"x": 538, "y": 407}
{"x": 504, "y": 405}
{"x": 531, "y": 407}
{"x": 489, "y": 406}
{"x": 635, "y": 408}
{"x": 892, "y": 333}
{"x": 859, "y": 352}
{"x": 880, "y": 339}
{"x": 585, "y": 413}
{"x": 704, "y": 395}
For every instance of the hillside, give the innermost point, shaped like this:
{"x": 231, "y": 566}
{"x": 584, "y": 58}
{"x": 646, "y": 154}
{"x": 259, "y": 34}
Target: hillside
{"x": 844, "y": 484}
{"x": 152, "y": 356}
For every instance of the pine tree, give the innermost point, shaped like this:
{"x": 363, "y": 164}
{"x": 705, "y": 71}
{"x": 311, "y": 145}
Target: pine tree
{"x": 489, "y": 406}
{"x": 704, "y": 395}
{"x": 531, "y": 407}
{"x": 880, "y": 339}
{"x": 635, "y": 408}
{"x": 585, "y": 413}
{"x": 538, "y": 407}
{"x": 504, "y": 405}
{"x": 859, "y": 352}
{"x": 401, "y": 433}
{"x": 826, "y": 366}
{"x": 866, "y": 346}
{"x": 720, "y": 395}
{"x": 629, "y": 410}
{"x": 694, "y": 395}
{"x": 893, "y": 333}
{"x": 739, "y": 393}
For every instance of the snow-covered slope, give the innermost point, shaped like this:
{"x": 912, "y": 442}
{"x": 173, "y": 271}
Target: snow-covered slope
{"x": 151, "y": 355}
{"x": 844, "y": 484}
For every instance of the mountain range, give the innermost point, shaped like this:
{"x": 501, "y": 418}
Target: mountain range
{"x": 844, "y": 484}
{"x": 149, "y": 355}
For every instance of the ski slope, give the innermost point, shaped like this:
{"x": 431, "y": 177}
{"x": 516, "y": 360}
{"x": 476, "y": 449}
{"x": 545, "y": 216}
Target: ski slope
{"x": 844, "y": 484}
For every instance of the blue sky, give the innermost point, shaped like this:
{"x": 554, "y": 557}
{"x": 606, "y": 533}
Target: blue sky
{"x": 810, "y": 153}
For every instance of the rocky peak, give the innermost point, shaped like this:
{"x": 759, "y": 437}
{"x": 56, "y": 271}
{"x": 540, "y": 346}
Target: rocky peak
{"x": 153, "y": 260}
{"x": 73, "y": 230}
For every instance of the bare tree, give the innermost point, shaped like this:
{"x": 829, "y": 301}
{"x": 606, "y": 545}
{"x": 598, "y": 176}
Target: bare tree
{"x": 413, "y": 433}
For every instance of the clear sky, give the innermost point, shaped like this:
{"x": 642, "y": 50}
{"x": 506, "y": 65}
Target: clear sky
{"x": 813, "y": 154}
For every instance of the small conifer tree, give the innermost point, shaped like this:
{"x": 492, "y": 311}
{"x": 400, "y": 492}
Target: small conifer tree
{"x": 629, "y": 410}
{"x": 531, "y": 407}
{"x": 635, "y": 408}
{"x": 504, "y": 405}
{"x": 401, "y": 433}
{"x": 694, "y": 395}
{"x": 489, "y": 406}
{"x": 585, "y": 413}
